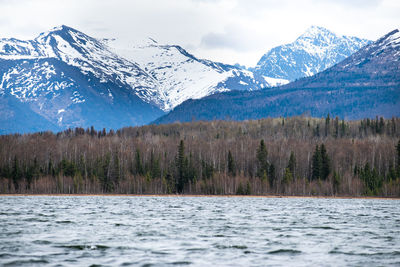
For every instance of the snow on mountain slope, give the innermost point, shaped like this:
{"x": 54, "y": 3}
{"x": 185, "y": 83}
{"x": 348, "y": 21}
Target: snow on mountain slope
{"x": 69, "y": 79}
{"x": 182, "y": 76}
{"x": 364, "y": 85}
{"x": 88, "y": 54}
{"x": 275, "y": 81}
{"x": 314, "y": 51}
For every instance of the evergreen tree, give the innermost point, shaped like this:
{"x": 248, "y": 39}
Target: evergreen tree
{"x": 316, "y": 164}
{"x": 50, "y": 168}
{"x": 138, "y": 163}
{"x": 336, "y": 127}
{"x": 248, "y": 189}
{"x": 116, "y": 169}
{"x": 372, "y": 180}
{"x": 271, "y": 175}
{"x": 32, "y": 173}
{"x": 326, "y": 163}
{"x": 287, "y": 177}
{"x": 343, "y": 128}
{"x": 398, "y": 157}
{"x": 154, "y": 169}
{"x": 181, "y": 163}
{"x": 327, "y": 122}
{"x": 231, "y": 164}
{"x": 16, "y": 173}
{"x": 292, "y": 164}
{"x": 207, "y": 169}
{"x": 317, "y": 131}
{"x": 262, "y": 157}
{"x": 336, "y": 182}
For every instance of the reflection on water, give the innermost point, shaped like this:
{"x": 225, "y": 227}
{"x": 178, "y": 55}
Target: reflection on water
{"x": 220, "y": 231}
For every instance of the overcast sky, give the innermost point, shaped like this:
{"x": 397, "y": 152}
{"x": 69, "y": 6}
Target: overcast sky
{"x": 229, "y": 31}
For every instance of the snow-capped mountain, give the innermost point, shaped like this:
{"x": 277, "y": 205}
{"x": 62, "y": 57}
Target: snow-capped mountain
{"x": 314, "y": 51}
{"x": 364, "y": 85}
{"x": 182, "y": 76}
{"x": 69, "y": 79}
{"x": 63, "y": 75}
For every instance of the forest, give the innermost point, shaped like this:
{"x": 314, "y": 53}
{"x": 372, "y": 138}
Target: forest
{"x": 297, "y": 156}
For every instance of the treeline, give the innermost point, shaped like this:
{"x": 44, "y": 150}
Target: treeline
{"x": 284, "y": 156}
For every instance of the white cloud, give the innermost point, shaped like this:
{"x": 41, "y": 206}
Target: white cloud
{"x": 224, "y": 30}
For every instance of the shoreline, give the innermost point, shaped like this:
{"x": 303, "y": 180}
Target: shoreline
{"x": 198, "y": 196}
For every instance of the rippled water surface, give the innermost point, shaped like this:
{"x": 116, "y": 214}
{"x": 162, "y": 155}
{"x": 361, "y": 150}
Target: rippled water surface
{"x": 201, "y": 231}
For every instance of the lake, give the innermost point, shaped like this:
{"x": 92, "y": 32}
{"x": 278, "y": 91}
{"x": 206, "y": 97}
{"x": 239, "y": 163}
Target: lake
{"x": 198, "y": 231}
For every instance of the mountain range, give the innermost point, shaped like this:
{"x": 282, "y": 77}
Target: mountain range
{"x": 314, "y": 51}
{"x": 65, "y": 78}
{"x": 366, "y": 84}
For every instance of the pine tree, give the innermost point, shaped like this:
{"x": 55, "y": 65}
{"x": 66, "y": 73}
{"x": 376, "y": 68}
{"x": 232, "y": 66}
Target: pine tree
{"x": 287, "y": 177}
{"x": 248, "y": 189}
{"x": 336, "y": 182}
{"x": 343, "y": 128}
{"x": 116, "y": 171}
{"x": 292, "y": 164}
{"x": 231, "y": 164}
{"x": 262, "y": 157}
{"x": 138, "y": 163}
{"x": 316, "y": 164}
{"x": 154, "y": 168}
{"x": 326, "y": 163}
{"x": 271, "y": 175}
{"x": 398, "y": 158}
{"x": 181, "y": 163}
{"x": 317, "y": 131}
{"x": 336, "y": 127}
{"x": 327, "y": 122}
{"x": 16, "y": 173}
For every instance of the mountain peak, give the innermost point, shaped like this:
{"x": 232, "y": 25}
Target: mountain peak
{"x": 59, "y": 30}
{"x": 314, "y": 51}
{"x": 315, "y": 31}
{"x": 392, "y": 37}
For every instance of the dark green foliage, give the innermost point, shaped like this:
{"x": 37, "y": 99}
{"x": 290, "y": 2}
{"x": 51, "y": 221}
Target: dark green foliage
{"x": 321, "y": 165}
{"x": 154, "y": 168}
{"x": 326, "y": 163}
{"x": 342, "y": 129}
{"x": 231, "y": 164}
{"x": 271, "y": 175}
{"x": 336, "y": 182}
{"x": 372, "y": 181}
{"x": 336, "y": 124}
{"x": 16, "y": 173}
{"x": 316, "y": 164}
{"x": 287, "y": 177}
{"x": 248, "y": 188}
{"x": 67, "y": 168}
{"x": 398, "y": 158}
{"x": 181, "y": 167}
{"x": 292, "y": 164}
{"x": 241, "y": 190}
{"x": 262, "y": 157}
{"x": 185, "y": 170}
{"x": 32, "y": 173}
{"x": 138, "y": 163}
{"x": 327, "y": 124}
{"x": 207, "y": 169}
{"x": 316, "y": 131}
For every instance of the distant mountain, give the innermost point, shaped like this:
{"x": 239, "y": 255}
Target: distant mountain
{"x": 366, "y": 84}
{"x": 64, "y": 78}
{"x": 314, "y": 51}
{"x": 181, "y": 76}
